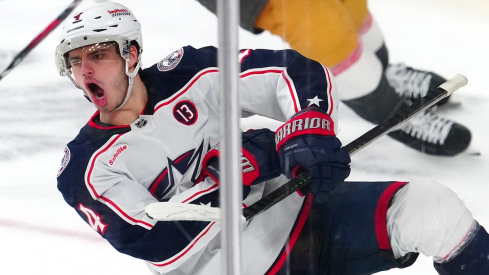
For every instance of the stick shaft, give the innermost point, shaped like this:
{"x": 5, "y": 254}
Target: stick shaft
{"x": 20, "y": 56}
{"x": 407, "y": 113}
{"x": 361, "y": 142}
{"x": 166, "y": 211}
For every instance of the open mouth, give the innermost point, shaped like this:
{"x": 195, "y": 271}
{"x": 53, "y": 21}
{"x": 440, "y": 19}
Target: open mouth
{"x": 95, "y": 90}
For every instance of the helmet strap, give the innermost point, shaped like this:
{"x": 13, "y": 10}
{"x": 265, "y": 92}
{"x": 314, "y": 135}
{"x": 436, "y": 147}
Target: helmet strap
{"x": 130, "y": 76}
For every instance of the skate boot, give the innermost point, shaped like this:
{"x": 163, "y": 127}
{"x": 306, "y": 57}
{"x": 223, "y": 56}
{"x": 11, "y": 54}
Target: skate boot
{"x": 411, "y": 83}
{"x": 433, "y": 135}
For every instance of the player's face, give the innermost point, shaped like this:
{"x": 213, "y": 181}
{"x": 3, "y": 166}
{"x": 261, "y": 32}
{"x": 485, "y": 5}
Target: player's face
{"x": 100, "y": 71}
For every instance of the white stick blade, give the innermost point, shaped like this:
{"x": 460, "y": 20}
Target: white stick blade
{"x": 170, "y": 211}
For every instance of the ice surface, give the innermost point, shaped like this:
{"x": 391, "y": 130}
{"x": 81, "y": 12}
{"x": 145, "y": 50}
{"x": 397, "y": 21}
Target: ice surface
{"x": 40, "y": 112}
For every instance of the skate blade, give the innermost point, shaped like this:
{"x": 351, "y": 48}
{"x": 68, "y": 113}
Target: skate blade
{"x": 471, "y": 151}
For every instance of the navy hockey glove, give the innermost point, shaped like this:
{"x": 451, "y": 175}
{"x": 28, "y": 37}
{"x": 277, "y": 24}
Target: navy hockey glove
{"x": 308, "y": 142}
{"x": 259, "y": 159}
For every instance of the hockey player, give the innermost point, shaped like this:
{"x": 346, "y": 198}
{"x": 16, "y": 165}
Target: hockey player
{"x": 154, "y": 138}
{"x": 342, "y": 35}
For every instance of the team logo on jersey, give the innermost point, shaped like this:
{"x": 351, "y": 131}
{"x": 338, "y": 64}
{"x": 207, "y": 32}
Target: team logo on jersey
{"x": 171, "y": 61}
{"x": 64, "y": 161}
{"x": 93, "y": 219}
{"x": 188, "y": 163}
{"x": 185, "y": 112}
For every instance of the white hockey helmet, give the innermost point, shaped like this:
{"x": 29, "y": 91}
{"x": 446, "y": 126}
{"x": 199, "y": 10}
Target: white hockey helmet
{"x": 108, "y": 22}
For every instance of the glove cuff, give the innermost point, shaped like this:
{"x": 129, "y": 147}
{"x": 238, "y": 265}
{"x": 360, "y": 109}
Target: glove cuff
{"x": 250, "y": 168}
{"x": 307, "y": 122}
{"x": 210, "y": 165}
{"x": 249, "y": 165}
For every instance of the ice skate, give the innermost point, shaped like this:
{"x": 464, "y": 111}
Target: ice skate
{"x": 433, "y": 135}
{"x": 411, "y": 83}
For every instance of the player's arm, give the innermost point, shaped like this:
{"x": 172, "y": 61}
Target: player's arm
{"x": 306, "y": 94}
{"x": 113, "y": 204}
{"x": 279, "y": 84}
{"x": 273, "y": 83}
{"x": 259, "y": 160}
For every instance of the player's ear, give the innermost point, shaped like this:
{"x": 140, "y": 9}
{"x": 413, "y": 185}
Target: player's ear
{"x": 133, "y": 56}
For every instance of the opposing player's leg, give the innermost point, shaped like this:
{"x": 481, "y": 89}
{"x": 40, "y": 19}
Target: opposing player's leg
{"x": 408, "y": 82}
{"x": 374, "y": 90}
{"x": 398, "y": 86}
{"x": 429, "y": 218}
{"x": 343, "y": 36}
{"x": 322, "y": 30}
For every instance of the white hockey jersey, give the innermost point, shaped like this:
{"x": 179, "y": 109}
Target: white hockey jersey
{"x": 109, "y": 174}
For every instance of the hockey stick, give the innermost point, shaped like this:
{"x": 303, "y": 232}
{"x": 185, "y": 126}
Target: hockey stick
{"x": 20, "y": 56}
{"x": 165, "y": 211}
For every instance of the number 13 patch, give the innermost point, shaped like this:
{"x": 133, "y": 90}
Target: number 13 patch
{"x": 185, "y": 112}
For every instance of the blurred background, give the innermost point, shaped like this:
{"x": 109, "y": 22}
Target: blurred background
{"x": 40, "y": 112}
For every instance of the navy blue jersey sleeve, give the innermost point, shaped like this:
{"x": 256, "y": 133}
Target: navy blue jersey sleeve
{"x": 273, "y": 83}
{"x": 280, "y": 83}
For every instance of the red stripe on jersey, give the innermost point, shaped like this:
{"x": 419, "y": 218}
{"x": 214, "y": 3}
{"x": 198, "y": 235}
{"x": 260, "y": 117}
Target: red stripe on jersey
{"x": 381, "y": 214}
{"x": 140, "y": 222}
{"x": 157, "y": 182}
{"x": 295, "y": 235}
{"x": 203, "y": 192}
{"x": 330, "y": 94}
{"x": 92, "y": 164}
{"x": 262, "y": 72}
{"x": 90, "y": 185}
{"x": 243, "y": 54}
{"x": 95, "y": 125}
{"x": 296, "y": 109}
{"x": 186, "y": 250}
{"x": 186, "y": 88}
{"x": 294, "y": 101}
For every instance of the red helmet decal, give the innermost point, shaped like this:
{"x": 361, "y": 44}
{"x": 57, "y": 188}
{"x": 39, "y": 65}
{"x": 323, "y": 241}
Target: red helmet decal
{"x": 77, "y": 17}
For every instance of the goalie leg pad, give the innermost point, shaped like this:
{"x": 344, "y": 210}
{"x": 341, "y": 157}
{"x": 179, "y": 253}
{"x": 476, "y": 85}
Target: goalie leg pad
{"x": 429, "y": 218}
